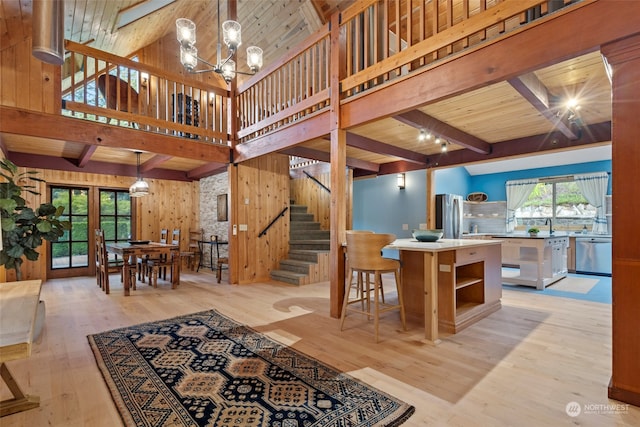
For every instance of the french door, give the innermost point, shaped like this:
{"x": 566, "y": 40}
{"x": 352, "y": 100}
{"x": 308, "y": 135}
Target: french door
{"x": 86, "y": 208}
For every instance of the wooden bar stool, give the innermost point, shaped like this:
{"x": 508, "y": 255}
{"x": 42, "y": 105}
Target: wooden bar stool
{"x": 365, "y": 259}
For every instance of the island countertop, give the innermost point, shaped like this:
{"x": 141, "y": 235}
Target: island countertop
{"x": 440, "y": 245}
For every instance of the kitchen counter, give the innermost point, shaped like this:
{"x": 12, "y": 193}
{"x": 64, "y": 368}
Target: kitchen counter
{"x": 449, "y": 284}
{"x": 541, "y": 260}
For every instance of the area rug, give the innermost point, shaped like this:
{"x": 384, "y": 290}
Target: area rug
{"x": 205, "y": 369}
{"x": 574, "y": 284}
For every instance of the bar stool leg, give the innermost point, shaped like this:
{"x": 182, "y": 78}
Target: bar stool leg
{"x": 401, "y": 300}
{"x": 376, "y": 301}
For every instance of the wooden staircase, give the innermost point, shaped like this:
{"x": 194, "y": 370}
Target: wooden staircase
{"x": 308, "y": 258}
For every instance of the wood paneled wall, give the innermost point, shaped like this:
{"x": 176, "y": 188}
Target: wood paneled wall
{"x": 28, "y": 83}
{"x": 170, "y": 204}
{"x": 262, "y": 193}
{"x": 305, "y": 191}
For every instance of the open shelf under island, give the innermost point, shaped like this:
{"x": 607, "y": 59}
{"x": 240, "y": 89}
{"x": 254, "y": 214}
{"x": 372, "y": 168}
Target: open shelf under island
{"x": 449, "y": 284}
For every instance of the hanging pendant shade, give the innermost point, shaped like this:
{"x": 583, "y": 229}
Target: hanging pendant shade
{"x": 140, "y": 187}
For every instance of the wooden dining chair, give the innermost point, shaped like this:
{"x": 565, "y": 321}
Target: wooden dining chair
{"x": 106, "y": 266}
{"x": 143, "y": 262}
{"x": 364, "y": 252}
{"x": 193, "y": 254}
{"x": 220, "y": 261}
{"x": 159, "y": 265}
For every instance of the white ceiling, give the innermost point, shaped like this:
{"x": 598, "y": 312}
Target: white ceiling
{"x": 585, "y": 155}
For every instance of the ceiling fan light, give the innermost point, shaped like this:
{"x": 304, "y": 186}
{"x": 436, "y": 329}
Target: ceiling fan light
{"x": 186, "y": 31}
{"x": 232, "y": 34}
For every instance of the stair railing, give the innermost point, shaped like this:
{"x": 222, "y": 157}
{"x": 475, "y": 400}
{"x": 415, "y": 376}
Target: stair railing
{"x": 314, "y": 179}
{"x": 281, "y": 214}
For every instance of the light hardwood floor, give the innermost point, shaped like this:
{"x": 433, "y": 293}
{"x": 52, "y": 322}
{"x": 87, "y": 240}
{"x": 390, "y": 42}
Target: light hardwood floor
{"x": 520, "y": 366}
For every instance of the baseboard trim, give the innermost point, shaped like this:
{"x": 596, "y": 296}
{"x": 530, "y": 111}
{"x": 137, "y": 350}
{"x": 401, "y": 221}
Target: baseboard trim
{"x": 625, "y": 396}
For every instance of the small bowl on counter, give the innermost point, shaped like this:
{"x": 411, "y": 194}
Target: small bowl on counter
{"x": 426, "y": 235}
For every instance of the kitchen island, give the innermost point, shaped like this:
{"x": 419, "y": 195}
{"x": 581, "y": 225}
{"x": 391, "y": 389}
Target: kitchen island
{"x": 449, "y": 284}
{"x": 540, "y": 260}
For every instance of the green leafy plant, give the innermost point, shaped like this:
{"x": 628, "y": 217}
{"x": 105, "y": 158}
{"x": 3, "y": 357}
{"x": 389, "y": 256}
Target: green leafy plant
{"x": 533, "y": 230}
{"x": 24, "y": 229}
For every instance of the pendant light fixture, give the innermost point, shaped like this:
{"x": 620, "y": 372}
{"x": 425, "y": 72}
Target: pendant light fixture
{"x": 232, "y": 37}
{"x": 140, "y": 187}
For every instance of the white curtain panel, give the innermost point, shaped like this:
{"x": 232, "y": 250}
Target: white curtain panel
{"x": 517, "y": 193}
{"x": 594, "y": 188}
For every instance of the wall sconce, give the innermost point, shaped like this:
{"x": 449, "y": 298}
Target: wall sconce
{"x": 144, "y": 79}
{"x": 401, "y": 181}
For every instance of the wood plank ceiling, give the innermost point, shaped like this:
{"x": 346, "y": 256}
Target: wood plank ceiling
{"x": 500, "y": 112}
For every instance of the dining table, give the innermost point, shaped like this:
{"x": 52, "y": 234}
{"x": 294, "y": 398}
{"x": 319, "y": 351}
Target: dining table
{"x": 133, "y": 250}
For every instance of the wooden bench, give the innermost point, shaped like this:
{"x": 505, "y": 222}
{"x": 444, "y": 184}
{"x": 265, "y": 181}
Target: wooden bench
{"x": 18, "y": 307}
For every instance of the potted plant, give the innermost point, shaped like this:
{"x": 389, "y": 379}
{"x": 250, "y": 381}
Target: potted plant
{"x": 533, "y": 231}
{"x": 24, "y": 229}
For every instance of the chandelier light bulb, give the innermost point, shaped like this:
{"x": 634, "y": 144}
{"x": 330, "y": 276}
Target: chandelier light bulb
{"x": 186, "y": 31}
{"x": 229, "y": 70}
{"x": 254, "y": 58}
{"x": 232, "y": 34}
{"x": 437, "y": 141}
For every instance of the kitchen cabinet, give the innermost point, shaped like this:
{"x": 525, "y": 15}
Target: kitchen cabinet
{"x": 449, "y": 284}
{"x": 541, "y": 261}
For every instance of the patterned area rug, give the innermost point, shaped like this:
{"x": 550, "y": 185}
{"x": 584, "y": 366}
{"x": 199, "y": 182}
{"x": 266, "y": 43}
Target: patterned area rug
{"x": 205, "y": 369}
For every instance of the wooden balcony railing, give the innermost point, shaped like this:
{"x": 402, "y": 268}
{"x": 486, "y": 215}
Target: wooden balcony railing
{"x": 390, "y": 39}
{"x": 382, "y": 41}
{"x": 291, "y": 89}
{"x": 118, "y": 91}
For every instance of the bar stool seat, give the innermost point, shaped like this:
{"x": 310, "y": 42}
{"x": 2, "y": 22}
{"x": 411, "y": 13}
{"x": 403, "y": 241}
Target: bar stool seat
{"x": 365, "y": 259}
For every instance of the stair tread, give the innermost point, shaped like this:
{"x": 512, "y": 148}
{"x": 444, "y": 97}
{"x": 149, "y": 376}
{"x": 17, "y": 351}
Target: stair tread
{"x": 297, "y": 262}
{"x": 287, "y": 273}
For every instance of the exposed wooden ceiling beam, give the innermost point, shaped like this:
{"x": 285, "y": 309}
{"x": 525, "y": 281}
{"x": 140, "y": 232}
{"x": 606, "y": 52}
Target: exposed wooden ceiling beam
{"x": 592, "y": 134}
{"x": 154, "y": 162}
{"x": 420, "y": 120}
{"x": 86, "y": 154}
{"x": 368, "y": 144}
{"x": 43, "y": 125}
{"x": 532, "y": 89}
{"x": 207, "y": 170}
{"x": 306, "y": 130}
{"x": 323, "y": 156}
{"x": 69, "y": 165}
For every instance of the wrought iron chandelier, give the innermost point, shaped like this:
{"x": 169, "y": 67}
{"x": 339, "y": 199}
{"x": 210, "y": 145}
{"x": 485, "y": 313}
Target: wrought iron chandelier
{"x": 232, "y": 37}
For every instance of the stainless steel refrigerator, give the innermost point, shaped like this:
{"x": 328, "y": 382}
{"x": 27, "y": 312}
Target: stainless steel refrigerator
{"x": 449, "y": 215}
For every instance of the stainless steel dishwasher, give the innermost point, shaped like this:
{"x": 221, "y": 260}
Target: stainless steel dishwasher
{"x": 593, "y": 255}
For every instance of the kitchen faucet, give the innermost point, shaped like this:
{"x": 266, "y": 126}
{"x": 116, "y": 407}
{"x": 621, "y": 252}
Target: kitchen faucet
{"x": 550, "y": 222}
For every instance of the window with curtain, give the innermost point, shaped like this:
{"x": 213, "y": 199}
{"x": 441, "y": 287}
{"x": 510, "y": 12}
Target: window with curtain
{"x": 572, "y": 202}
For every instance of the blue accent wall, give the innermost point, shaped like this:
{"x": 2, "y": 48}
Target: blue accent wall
{"x": 494, "y": 184}
{"x": 378, "y": 204}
